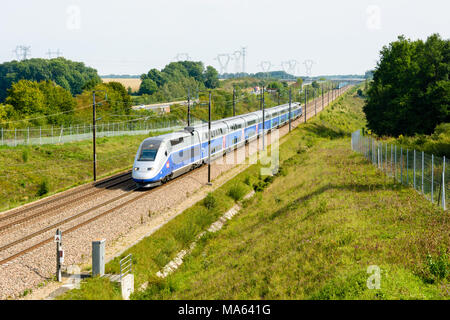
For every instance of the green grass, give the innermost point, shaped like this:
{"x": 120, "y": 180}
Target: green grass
{"x": 28, "y": 173}
{"x": 437, "y": 143}
{"x": 310, "y": 232}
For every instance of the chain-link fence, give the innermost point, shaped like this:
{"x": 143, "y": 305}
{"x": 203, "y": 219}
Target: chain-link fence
{"x": 52, "y": 135}
{"x": 425, "y": 173}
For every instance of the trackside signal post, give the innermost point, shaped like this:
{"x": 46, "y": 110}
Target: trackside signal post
{"x": 59, "y": 254}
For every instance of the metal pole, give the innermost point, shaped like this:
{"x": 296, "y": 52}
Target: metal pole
{"x": 443, "y": 183}
{"x": 209, "y": 139}
{"x": 93, "y": 139}
{"x": 290, "y": 102}
{"x": 234, "y": 102}
{"x": 432, "y": 177}
{"x": 58, "y": 261}
{"x": 328, "y": 102}
{"x": 315, "y": 102}
{"x": 189, "y": 108}
{"x": 414, "y": 169}
{"x": 395, "y": 176}
{"x": 401, "y": 165}
{"x": 386, "y": 162}
{"x": 392, "y": 158}
{"x": 264, "y": 118}
{"x": 422, "y": 171}
{"x": 407, "y": 165}
{"x": 306, "y": 99}
{"x": 323, "y": 100}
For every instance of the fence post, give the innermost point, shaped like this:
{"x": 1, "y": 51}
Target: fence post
{"x": 15, "y": 137}
{"x": 414, "y": 168}
{"x": 2, "y": 136}
{"x": 395, "y": 165}
{"x": 40, "y": 135}
{"x": 401, "y": 165}
{"x": 392, "y": 162}
{"x": 386, "y": 162}
{"x": 432, "y": 176}
{"x": 28, "y": 135}
{"x": 407, "y": 166}
{"x": 422, "y": 171}
{"x": 60, "y": 136}
{"x": 443, "y": 183}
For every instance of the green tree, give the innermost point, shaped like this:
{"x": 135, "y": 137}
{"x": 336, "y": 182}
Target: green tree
{"x": 72, "y": 76}
{"x": 148, "y": 86}
{"x": 26, "y": 98}
{"x": 410, "y": 92}
{"x": 211, "y": 78}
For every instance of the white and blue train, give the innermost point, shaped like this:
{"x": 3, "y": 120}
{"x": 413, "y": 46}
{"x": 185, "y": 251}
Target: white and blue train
{"x": 162, "y": 158}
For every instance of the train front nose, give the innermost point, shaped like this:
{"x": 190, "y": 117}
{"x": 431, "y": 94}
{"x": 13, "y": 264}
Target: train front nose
{"x": 144, "y": 171}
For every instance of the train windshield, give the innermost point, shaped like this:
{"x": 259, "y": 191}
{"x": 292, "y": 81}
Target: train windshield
{"x": 149, "y": 150}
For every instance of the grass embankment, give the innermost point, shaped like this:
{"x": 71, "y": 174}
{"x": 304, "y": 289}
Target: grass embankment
{"x": 28, "y": 173}
{"x": 310, "y": 232}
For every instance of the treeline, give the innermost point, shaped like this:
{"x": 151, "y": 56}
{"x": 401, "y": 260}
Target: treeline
{"x": 280, "y": 75}
{"x": 44, "y": 103}
{"x": 72, "y": 76}
{"x": 410, "y": 92}
{"x": 175, "y": 79}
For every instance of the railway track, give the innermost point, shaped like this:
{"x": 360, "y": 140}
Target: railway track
{"x": 72, "y": 218}
{"x": 46, "y": 212}
{"x": 85, "y": 212}
{"x": 107, "y": 183}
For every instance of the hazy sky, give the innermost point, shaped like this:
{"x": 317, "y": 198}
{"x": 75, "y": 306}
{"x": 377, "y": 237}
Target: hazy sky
{"x": 130, "y": 37}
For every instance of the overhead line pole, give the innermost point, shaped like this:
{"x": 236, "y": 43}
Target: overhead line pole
{"x": 93, "y": 139}
{"x": 234, "y": 102}
{"x": 290, "y": 102}
{"x": 189, "y": 108}
{"x": 263, "y": 112}
{"x": 306, "y": 100}
{"x": 209, "y": 139}
{"x": 94, "y": 123}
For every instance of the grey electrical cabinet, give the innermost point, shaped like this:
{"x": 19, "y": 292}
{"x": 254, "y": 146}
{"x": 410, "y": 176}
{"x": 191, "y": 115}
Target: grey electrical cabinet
{"x": 98, "y": 257}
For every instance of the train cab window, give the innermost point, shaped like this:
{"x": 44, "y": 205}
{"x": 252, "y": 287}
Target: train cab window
{"x": 174, "y": 142}
{"x": 149, "y": 150}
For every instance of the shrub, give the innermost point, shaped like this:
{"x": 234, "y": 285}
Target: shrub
{"x": 43, "y": 188}
{"x": 25, "y": 155}
{"x": 236, "y": 192}
{"x": 439, "y": 268}
{"x": 210, "y": 201}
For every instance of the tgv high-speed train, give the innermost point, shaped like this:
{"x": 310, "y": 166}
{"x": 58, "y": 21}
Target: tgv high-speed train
{"x": 164, "y": 157}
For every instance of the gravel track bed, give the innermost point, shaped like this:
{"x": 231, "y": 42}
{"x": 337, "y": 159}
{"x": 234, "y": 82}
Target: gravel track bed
{"x": 35, "y": 267}
{"x": 40, "y": 223}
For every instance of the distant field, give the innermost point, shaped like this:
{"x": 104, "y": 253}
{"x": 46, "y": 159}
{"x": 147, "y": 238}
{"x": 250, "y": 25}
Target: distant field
{"x": 132, "y": 83}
